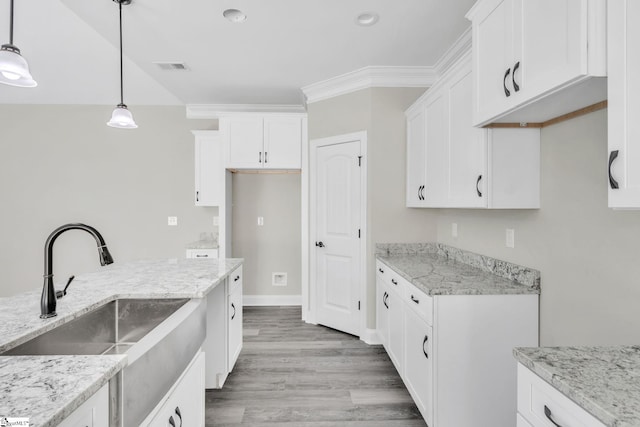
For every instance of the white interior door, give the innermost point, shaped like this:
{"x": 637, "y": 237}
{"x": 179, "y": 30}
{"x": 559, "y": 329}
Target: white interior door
{"x": 336, "y": 191}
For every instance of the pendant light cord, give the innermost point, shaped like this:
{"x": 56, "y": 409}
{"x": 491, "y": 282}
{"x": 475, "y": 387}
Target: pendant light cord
{"x": 121, "y": 78}
{"x": 11, "y": 25}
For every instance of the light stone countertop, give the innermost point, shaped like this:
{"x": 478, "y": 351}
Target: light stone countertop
{"x": 605, "y": 381}
{"x": 438, "y": 269}
{"x": 77, "y": 377}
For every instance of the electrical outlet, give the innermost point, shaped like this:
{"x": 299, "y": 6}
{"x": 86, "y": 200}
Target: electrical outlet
{"x": 454, "y": 229}
{"x": 216, "y": 221}
{"x": 511, "y": 238}
{"x": 260, "y": 220}
{"x": 172, "y": 220}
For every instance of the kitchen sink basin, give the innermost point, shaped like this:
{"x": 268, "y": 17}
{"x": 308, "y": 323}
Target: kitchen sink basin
{"x": 159, "y": 336}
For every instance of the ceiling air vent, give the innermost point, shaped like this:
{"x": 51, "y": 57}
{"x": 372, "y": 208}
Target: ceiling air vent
{"x": 172, "y": 66}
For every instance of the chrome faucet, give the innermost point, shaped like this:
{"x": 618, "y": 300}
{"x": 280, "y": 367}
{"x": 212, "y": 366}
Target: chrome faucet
{"x": 49, "y": 296}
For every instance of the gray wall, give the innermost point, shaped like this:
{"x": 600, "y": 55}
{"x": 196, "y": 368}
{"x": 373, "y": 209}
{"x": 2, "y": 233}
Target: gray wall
{"x": 275, "y": 246}
{"x": 588, "y": 254}
{"x": 62, "y": 164}
{"x": 380, "y": 112}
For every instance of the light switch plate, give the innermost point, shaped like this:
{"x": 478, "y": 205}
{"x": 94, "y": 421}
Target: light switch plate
{"x": 260, "y": 220}
{"x": 511, "y": 238}
{"x": 172, "y": 220}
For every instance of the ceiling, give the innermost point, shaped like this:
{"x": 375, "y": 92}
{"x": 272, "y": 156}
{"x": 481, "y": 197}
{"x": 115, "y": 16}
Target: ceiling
{"x": 72, "y": 47}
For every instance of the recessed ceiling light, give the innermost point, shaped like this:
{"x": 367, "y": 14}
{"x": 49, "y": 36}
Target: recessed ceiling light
{"x": 367, "y": 19}
{"x": 234, "y": 15}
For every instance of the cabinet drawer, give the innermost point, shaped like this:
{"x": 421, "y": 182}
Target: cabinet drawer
{"x": 538, "y": 402}
{"x": 202, "y": 253}
{"x": 419, "y": 302}
{"x": 382, "y": 270}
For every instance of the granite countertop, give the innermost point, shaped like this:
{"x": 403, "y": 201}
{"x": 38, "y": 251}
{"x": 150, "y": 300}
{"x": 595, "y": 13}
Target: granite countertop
{"x": 438, "y": 269}
{"x": 20, "y": 322}
{"x": 605, "y": 381}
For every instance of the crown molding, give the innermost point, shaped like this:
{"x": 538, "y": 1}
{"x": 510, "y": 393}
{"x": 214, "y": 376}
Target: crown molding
{"x": 214, "y": 111}
{"x": 460, "y": 48}
{"x": 367, "y": 77}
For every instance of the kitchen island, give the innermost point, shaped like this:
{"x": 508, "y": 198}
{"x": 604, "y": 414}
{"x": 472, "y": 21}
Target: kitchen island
{"x": 46, "y": 389}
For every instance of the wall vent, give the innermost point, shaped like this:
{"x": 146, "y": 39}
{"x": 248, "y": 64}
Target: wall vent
{"x": 172, "y": 66}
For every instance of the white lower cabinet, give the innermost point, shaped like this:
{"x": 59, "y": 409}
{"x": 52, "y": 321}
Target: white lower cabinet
{"x": 542, "y": 405}
{"x": 454, "y": 352}
{"x": 224, "y": 329}
{"x": 418, "y": 357}
{"x": 184, "y": 404}
{"x": 94, "y": 412}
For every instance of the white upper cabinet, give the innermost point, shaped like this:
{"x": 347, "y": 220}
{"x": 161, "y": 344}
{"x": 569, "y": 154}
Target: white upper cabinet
{"x": 451, "y": 164}
{"x": 527, "y": 50}
{"x": 209, "y": 168}
{"x": 262, "y": 141}
{"x": 624, "y": 104}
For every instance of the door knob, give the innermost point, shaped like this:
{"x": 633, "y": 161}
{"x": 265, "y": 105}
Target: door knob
{"x": 320, "y": 244}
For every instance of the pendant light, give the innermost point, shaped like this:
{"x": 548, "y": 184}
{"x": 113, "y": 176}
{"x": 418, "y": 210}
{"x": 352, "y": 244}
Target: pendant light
{"x": 14, "y": 70}
{"x": 121, "y": 116}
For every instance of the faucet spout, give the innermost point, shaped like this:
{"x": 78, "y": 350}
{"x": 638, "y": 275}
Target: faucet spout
{"x": 48, "y": 298}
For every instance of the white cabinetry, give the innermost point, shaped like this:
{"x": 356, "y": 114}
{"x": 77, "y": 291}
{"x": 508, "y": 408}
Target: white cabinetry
{"x": 261, "y": 141}
{"x": 209, "y": 169}
{"x": 224, "y": 329}
{"x": 525, "y": 50}
{"x": 94, "y": 412}
{"x": 184, "y": 404}
{"x": 541, "y": 405}
{"x": 202, "y": 253}
{"x": 450, "y": 163}
{"x": 624, "y": 104}
{"x": 456, "y": 350}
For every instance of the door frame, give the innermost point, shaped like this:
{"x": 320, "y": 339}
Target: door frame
{"x": 309, "y": 288}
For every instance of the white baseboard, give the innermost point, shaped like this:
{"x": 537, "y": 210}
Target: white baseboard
{"x": 265, "y": 300}
{"x": 370, "y": 336}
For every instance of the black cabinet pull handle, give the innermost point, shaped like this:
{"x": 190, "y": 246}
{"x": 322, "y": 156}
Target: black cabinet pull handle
{"x": 260, "y": 157}
{"x": 202, "y": 256}
{"x": 477, "y": 188}
{"x": 179, "y": 414}
{"x": 236, "y": 279}
{"x": 419, "y": 196}
{"x": 384, "y": 299}
{"x": 265, "y": 157}
{"x": 417, "y": 301}
{"x": 381, "y": 270}
{"x": 547, "y": 413}
{"x": 234, "y": 311}
{"x": 612, "y": 182}
{"x": 422, "y": 192}
{"x": 173, "y": 423}
{"x": 504, "y": 82}
{"x": 394, "y": 282}
{"x": 197, "y": 196}
{"x": 426, "y": 338}
{"x": 516, "y": 87}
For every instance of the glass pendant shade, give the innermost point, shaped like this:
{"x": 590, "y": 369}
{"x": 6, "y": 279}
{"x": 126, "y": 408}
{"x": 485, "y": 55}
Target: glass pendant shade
{"x": 14, "y": 70}
{"x": 122, "y": 118}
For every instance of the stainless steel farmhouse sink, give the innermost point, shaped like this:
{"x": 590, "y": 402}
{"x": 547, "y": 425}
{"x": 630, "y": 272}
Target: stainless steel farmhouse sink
{"x": 159, "y": 336}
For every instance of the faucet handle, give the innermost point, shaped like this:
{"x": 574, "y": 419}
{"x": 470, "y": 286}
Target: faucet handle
{"x": 60, "y": 294}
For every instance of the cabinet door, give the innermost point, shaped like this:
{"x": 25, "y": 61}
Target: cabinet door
{"x": 243, "y": 141}
{"x": 235, "y": 317}
{"x": 282, "y": 142}
{"x": 416, "y": 157}
{"x": 624, "y": 104}
{"x": 94, "y": 412}
{"x": 382, "y": 312}
{"x": 395, "y": 334}
{"x": 418, "y": 372}
{"x": 552, "y": 35}
{"x": 492, "y": 56}
{"x": 467, "y": 155}
{"x": 436, "y": 118}
{"x": 209, "y": 168}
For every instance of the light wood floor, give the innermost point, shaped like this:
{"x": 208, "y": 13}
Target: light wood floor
{"x": 294, "y": 374}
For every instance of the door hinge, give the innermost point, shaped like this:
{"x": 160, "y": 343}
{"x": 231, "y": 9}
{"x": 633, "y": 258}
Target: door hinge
{"x": 359, "y": 161}
{"x": 358, "y": 233}
{"x": 358, "y": 305}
